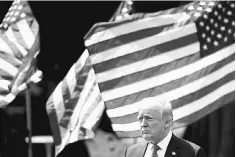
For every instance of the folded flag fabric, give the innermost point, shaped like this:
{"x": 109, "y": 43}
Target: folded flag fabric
{"x": 185, "y": 54}
{"x": 19, "y": 46}
{"x": 75, "y": 106}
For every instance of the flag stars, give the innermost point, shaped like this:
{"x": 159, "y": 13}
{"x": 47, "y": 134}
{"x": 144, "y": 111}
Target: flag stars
{"x": 190, "y": 7}
{"x": 22, "y": 15}
{"x": 229, "y": 31}
{"x": 219, "y": 36}
{"x": 20, "y": 7}
{"x": 126, "y": 15}
{"x": 202, "y": 3}
{"x": 232, "y": 5}
{"x": 16, "y": 1}
{"x": 212, "y": 20}
{"x": 220, "y": 6}
{"x": 225, "y": 39}
{"x": 205, "y": 16}
{"x": 216, "y": 25}
{"x": 8, "y": 18}
{"x": 203, "y": 35}
{"x": 212, "y": 32}
{"x": 7, "y": 14}
{"x": 226, "y": 20}
{"x": 205, "y": 47}
{"x": 207, "y": 28}
{"x": 211, "y": 4}
{"x": 215, "y": 13}
{"x": 208, "y": 40}
{"x": 199, "y": 8}
{"x": 13, "y": 19}
{"x": 15, "y": 6}
{"x": 130, "y": 2}
{"x": 11, "y": 8}
{"x": 197, "y": 14}
{"x": 201, "y": 24}
{"x": 219, "y": 17}
{"x": 5, "y": 25}
{"x": 11, "y": 13}
{"x": 233, "y": 23}
{"x": 17, "y": 13}
{"x": 208, "y": 9}
{"x": 229, "y": 13}
{"x": 124, "y": 10}
{"x": 222, "y": 28}
{"x": 216, "y": 43}
{"x": 118, "y": 18}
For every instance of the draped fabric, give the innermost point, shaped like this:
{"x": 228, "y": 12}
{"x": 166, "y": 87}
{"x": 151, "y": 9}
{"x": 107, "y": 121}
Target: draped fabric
{"x": 19, "y": 46}
{"x": 184, "y": 54}
{"x": 215, "y": 132}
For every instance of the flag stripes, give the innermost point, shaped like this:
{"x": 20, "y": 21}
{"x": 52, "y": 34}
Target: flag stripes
{"x": 148, "y": 68}
{"x": 181, "y": 91}
{"x": 76, "y": 106}
{"x": 150, "y": 53}
{"x": 181, "y": 101}
{"x": 19, "y": 46}
{"x": 166, "y": 77}
{"x": 143, "y": 43}
{"x": 166, "y": 85}
{"x": 170, "y": 86}
{"x": 188, "y": 119}
{"x": 187, "y": 109}
{"x": 169, "y": 62}
{"x": 72, "y": 102}
{"x": 13, "y": 38}
{"x": 137, "y": 25}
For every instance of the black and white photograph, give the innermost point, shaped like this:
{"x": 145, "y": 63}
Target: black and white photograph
{"x": 117, "y": 78}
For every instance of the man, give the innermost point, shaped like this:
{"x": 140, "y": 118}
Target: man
{"x": 156, "y": 119}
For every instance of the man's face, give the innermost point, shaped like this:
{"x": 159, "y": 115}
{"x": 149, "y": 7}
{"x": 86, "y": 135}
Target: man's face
{"x": 152, "y": 125}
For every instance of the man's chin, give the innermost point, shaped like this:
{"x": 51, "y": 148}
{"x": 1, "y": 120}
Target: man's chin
{"x": 147, "y": 136}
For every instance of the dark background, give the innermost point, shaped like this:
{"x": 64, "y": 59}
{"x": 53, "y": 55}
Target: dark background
{"x": 62, "y": 28}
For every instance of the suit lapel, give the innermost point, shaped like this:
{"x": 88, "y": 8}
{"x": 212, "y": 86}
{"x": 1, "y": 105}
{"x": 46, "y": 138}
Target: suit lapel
{"x": 143, "y": 150}
{"x": 139, "y": 150}
{"x": 173, "y": 150}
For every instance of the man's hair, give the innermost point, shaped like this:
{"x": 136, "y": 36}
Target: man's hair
{"x": 164, "y": 106}
{"x": 166, "y": 109}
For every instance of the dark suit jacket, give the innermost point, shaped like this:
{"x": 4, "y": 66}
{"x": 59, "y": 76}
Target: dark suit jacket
{"x": 176, "y": 148}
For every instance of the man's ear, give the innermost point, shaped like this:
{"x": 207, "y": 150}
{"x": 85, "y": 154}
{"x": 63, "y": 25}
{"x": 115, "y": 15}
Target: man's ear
{"x": 168, "y": 123}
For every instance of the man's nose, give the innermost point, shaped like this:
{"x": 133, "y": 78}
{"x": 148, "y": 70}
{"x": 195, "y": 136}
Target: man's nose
{"x": 143, "y": 123}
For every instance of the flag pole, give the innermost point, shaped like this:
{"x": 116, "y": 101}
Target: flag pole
{"x": 29, "y": 126}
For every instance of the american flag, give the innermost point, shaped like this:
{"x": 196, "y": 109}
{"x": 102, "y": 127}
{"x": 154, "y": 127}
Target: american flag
{"x": 75, "y": 106}
{"x": 185, "y": 55}
{"x": 19, "y": 46}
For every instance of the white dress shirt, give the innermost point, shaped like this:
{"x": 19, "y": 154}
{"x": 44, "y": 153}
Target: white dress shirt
{"x": 163, "y": 146}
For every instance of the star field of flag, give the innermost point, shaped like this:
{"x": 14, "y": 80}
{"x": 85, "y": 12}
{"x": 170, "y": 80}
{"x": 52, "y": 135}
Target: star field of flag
{"x": 19, "y": 46}
{"x": 184, "y": 54}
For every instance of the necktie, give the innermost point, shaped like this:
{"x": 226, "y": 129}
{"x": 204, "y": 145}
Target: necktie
{"x": 155, "y": 148}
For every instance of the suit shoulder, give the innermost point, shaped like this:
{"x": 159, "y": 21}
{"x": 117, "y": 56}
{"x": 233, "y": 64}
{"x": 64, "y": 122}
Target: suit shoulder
{"x": 137, "y": 145}
{"x": 188, "y": 145}
{"x": 135, "y": 149}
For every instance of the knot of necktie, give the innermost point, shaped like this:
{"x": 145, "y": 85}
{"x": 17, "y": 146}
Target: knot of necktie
{"x": 155, "y": 148}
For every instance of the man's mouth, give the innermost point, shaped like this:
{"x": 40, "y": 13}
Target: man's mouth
{"x": 145, "y": 131}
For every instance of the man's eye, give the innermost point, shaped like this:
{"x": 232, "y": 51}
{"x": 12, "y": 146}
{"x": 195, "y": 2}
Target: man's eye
{"x": 140, "y": 119}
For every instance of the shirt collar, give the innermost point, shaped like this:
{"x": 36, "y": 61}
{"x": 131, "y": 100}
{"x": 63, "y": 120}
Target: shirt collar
{"x": 164, "y": 143}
